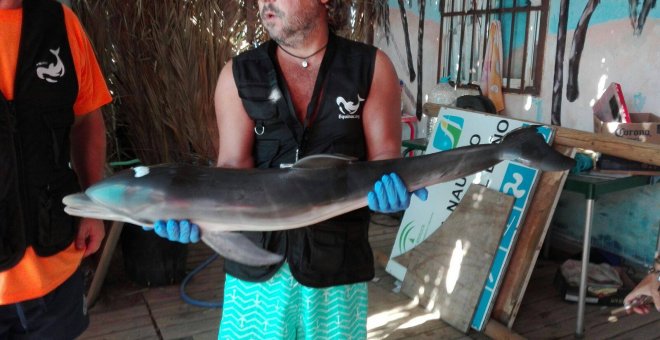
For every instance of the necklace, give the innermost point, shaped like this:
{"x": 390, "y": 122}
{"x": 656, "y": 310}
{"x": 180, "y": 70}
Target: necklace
{"x": 304, "y": 62}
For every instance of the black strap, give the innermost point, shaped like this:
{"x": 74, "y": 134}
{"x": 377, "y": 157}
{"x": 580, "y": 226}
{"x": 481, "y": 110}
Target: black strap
{"x": 300, "y": 129}
{"x": 312, "y": 107}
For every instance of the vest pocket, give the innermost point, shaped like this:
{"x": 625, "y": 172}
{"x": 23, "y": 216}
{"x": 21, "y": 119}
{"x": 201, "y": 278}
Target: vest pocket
{"x": 55, "y": 228}
{"x": 12, "y": 235}
{"x": 265, "y": 152}
{"x": 325, "y": 247}
{"x": 58, "y": 125}
{"x": 260, "y": 100}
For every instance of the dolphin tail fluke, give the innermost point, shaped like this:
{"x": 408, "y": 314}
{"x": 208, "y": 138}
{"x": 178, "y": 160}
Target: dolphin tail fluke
{"x": 527, "y": 146}
{"x": 236, "y": 247}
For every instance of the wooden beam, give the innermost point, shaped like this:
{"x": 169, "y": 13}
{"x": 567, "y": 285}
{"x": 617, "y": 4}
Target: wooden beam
{"x": 610, "y": 145}
{"x": 496, "y": 330}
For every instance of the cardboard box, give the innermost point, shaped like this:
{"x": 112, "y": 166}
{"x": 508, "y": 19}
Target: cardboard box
{"x": 645, "y": 127}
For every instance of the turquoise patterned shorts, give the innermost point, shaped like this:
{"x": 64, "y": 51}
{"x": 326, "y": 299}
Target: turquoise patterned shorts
{"x": 282, "y": 308}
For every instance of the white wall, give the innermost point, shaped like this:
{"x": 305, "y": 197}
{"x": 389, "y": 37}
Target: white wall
{"x": 611, "y": 54}
{"x": 627, "y": 222}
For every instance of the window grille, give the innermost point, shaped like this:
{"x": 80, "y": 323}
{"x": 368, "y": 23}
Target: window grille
{"x": 464, "y": 33}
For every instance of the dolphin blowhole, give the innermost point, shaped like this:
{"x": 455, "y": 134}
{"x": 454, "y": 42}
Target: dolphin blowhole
{"x": 141, "y": 171}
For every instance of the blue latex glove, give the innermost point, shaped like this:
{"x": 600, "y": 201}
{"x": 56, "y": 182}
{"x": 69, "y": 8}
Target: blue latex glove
{"x": 178, "y": 231}
{"x": 391, "y": 195}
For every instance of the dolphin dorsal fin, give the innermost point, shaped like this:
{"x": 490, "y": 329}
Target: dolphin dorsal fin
{"x": 323, "y": 161}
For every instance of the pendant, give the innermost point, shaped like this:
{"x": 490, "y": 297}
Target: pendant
{"x": 304, "y": 63}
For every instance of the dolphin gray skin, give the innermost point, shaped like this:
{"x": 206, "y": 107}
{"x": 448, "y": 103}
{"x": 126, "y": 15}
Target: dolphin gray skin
{"x": 222, "y": 200}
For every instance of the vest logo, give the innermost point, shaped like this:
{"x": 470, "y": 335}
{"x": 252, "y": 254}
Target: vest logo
{"x": 349, "y": 109}
{"x": 448, "y": 132}
{"x": 49, "y": 71}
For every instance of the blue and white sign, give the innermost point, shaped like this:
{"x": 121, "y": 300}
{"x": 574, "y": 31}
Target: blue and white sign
{"x": 457, "y": 128}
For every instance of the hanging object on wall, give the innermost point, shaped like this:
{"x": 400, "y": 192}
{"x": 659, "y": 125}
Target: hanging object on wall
{"x": 580, "y": 35}
{"x": 382, "y": 17}
{"x": 632, "y": 12}
{"x": 559, "y": 63}
{"x": 641, "y": 20}
{"x": 404, "y": 21}
{"x": 420, "y": 53}
{"x": 491, "y": 72}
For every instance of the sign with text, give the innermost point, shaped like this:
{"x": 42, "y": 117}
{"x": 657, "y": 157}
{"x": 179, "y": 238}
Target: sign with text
{"x": 456, "y": 128}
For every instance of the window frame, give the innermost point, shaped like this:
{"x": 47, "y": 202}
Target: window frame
{"x": 542, "y": 9}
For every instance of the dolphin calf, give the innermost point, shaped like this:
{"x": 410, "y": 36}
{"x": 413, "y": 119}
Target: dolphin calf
{"x": 222, "y": 200}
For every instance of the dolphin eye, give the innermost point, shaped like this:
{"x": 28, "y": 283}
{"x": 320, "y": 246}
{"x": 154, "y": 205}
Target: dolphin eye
{"x": 141, "y": 171}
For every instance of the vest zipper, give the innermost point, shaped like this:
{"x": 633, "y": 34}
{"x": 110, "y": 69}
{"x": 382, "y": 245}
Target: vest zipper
{"x": 17, "y": 167}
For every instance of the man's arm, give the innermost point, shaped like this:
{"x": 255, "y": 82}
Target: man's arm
{"x": 234, "y": 148}
{"x": 381, "y": 117}
{"x": 234, "y": 125}
{"x": 88, "y": 160}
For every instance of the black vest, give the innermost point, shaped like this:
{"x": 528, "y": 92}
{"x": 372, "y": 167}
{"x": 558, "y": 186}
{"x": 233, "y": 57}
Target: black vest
{"x": 34, "y": 139}
{"x": 335, "y": 251}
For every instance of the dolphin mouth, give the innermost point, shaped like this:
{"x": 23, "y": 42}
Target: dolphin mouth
{"x": 81, "y": 205}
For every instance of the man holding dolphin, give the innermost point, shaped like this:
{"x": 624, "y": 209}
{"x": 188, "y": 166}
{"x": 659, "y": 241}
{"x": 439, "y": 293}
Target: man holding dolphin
{"x": 306, "y": 91}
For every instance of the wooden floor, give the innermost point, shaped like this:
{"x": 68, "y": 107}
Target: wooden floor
{"x": 127, "y": 311}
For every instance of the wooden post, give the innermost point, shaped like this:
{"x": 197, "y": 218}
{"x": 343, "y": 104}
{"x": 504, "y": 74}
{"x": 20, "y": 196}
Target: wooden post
{"x": 104, "y": 262}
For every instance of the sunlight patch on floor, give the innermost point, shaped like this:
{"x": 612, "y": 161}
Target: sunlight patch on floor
{"x": 383, "y": 324}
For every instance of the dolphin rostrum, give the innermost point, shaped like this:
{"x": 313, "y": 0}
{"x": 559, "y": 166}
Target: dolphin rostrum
{"x": 222, "y": 200}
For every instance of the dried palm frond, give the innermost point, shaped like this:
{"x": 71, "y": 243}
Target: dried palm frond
{"x": 162, "y": 60}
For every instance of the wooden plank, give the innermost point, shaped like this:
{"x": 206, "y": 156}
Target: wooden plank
{"x": 404, "y": 320}
{"x": 608, "y": 144}
{"x": 643, "y": 327}
{"x": 111, "y": 326}
{"x": 145, "y": 332}
{"x": 207, "y": 335}
{"x": 528, "y": 246}
{"x": 498, "y": 331}
{"x": 136, "y": 311}
{"x": 448, "y": 271}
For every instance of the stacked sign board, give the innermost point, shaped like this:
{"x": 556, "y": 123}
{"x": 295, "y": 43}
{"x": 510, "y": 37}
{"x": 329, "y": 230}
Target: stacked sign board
{"x": 456, "y": 128}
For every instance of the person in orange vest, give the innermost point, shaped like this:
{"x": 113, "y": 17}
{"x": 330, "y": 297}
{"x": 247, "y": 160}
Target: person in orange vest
{"x": 52, "y": 143}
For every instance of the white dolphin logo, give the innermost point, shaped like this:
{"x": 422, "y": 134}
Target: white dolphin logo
{"x": 348, "y": 108}
{"x": 53, "y": 70}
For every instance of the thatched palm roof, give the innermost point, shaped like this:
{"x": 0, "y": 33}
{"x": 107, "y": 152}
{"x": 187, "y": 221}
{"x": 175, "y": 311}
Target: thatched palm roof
{"x": 162, "y": 60}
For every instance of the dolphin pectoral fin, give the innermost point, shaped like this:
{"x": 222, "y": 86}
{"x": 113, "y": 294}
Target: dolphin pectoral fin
{"x": 236, "y": 247}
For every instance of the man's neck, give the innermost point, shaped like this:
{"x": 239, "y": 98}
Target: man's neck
{"x": 10, "y": 4}
{"x": 309, "y": 42}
